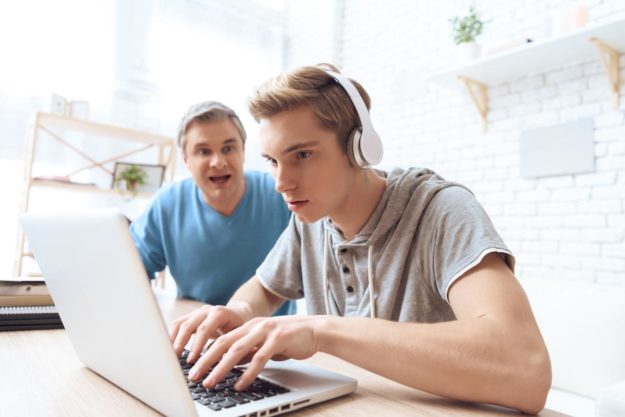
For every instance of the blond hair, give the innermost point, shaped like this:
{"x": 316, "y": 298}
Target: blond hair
{"x": 310, "y": 86}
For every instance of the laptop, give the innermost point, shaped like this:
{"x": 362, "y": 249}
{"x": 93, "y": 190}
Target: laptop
{"x": 99, "y": 286}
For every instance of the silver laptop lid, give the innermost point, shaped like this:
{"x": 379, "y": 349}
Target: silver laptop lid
{"x": 91, "y": 266}
{"x": 99, "y": 285}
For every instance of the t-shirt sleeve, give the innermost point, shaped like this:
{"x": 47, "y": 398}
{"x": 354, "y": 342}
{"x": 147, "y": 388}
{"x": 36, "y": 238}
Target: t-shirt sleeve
{"x": 462, "y": 235}
{"x": 147, "y": 234}
{"x": 281, "y": 272}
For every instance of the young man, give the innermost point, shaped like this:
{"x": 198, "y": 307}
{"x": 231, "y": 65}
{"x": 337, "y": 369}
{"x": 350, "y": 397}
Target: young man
{"x": 215, "y": 228}
{"x": 403, "y": 271}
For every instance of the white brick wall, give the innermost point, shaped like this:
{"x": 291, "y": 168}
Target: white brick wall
{"x": 565, "y": 227}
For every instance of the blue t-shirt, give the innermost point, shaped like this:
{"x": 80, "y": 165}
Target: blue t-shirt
{"x": 210, "y": 255}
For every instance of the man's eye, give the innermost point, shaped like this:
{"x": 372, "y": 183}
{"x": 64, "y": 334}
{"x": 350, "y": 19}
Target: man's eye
{"x": 203, "y": 152}
{"x": 228, "y": 149}
{"x": 303, "y": 155}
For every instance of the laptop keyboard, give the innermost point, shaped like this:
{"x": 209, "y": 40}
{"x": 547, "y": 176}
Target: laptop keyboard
{"x": 223, "y": 395}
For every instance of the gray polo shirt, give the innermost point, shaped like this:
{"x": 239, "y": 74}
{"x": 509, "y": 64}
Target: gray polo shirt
{"x": 424, "y": 234}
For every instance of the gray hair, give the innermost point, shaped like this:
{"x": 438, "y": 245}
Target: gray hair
{"x": 207, "y": 111}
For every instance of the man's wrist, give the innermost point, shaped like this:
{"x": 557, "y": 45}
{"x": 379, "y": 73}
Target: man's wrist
{"x": 325, "y": 328}
{"x": 242, "y": 308}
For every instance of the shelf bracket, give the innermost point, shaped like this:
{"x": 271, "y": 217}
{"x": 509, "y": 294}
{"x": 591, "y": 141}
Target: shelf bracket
{"x": 609, "y": 58}
{"x": 479, "y": 95}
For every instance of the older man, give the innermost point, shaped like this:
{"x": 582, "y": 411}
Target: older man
{"x": 212, "y": 230}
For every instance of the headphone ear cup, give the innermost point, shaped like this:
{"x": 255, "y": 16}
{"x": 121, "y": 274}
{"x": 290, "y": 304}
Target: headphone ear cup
{"x": 353, "y": 147}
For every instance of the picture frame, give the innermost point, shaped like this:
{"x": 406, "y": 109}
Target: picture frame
{"x": 137, "y": 178}
{"x": 58, "y": 105}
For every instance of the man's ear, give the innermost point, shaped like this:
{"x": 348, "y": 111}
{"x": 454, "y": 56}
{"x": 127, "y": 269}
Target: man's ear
{"x": 183, "y": 155}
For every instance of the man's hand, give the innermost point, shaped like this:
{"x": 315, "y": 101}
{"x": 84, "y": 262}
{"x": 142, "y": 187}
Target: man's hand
{"x": 207, "y": 322}
{"x": 261, "y": 339}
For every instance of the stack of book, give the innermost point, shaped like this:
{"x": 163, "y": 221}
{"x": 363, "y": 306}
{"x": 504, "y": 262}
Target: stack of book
{"x": 25, "y": 304}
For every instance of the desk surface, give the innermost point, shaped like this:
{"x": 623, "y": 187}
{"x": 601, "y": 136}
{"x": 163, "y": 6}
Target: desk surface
{"x": 40, "y": 375}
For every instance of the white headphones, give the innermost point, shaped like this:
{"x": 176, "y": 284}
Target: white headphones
{"x": 364, "y": 146}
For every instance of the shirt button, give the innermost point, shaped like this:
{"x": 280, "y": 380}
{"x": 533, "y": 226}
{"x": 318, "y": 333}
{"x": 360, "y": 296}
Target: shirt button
{"x": 350, "y": 288}
{"x": 345, "y": 269}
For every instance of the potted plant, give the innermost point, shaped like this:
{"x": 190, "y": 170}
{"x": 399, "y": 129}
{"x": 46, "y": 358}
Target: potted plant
{"x": 465, "y": 31}
{"x": 132, "y": 177}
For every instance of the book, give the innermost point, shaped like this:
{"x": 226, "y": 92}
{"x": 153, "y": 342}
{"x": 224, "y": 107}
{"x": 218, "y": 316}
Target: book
{"x": 29, "y": 318}
{"x": 23, "y": 286}
{"x": 25, "y": 300}
{"x": 22, "y": 291}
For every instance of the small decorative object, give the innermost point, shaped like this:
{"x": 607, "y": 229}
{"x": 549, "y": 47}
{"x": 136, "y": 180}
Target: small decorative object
{"x": 137, "y": 178}
{"x": 465, "y": 31}
{"x": 58, "y": 105}
{"x": 567, "y": 19}
{"x": 79, "y": 109}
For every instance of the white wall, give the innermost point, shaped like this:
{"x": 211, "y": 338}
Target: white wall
{"x": 139, "y": 64}
{"x": 566, "y": 227}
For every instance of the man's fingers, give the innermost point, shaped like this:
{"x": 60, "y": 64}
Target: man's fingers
{"x": 185, "y": 330}
{"x": 257, "y": 364}
{"x": 229, "y": 350}
{"x": 173, "y": 332}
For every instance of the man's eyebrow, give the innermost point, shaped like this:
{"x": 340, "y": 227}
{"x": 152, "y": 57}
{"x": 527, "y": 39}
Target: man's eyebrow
{"x": 298, "y": 146}
{"x": 295, "y": 147}
{"x": 225, "y": 142}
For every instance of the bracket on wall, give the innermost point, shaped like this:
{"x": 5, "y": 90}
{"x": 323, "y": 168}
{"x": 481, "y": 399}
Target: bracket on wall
{"x": 479, "y": 95}
{"x": 609, "y": 58}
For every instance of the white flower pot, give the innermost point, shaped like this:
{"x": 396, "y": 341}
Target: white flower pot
{"x": 467, "y": 52}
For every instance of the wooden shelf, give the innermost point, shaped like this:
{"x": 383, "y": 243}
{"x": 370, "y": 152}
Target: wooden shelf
{"x": 85, "y": 188}
{"x": 605, "y": 40}
{"x": 56, "y": 127}
{"x": 67, "y": 124}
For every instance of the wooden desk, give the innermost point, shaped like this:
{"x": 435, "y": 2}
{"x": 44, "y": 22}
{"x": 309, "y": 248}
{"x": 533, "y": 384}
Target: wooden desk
{"x": 40, "y": 375}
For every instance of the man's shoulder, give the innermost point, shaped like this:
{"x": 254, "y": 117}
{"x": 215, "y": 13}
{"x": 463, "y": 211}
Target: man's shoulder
{"x": 453, "y": 195}
{"x": 177, "y": 188}
{"x": 262, "y": 186}
{"x": 175, "y": 193}
{"x": 259, "y": 179}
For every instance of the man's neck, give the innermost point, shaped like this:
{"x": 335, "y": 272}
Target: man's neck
{"x": 364, "y": 197}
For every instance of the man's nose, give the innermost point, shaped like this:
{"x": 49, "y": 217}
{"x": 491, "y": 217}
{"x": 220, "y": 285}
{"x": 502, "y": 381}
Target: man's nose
{"x": 218, "y": 160}
{"x": 284, "y": 180}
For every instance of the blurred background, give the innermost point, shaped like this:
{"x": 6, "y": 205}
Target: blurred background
{"x": 141, "y": 63}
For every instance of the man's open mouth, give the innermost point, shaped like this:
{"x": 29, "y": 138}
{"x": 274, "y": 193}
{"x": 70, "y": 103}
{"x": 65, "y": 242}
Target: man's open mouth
{"x": 222, "y": 179}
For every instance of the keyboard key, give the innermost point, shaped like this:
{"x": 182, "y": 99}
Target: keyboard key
{"x": 215, "y": 398}
{"x": 227, "y": 403}
{"x": 238, "y": 398}
{"x": 214, "y": 407}
{"x": 203, "y": 401}
{"x": 251, "y": 395}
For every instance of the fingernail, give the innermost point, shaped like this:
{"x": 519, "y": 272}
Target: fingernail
{"x": 193, "y": 373}
{"x": 238, "y": 386}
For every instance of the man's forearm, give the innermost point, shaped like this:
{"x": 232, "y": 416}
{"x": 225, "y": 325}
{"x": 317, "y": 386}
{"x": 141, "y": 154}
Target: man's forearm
{"x": 253, "y": 300}
{"x": 474, "y": 361}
